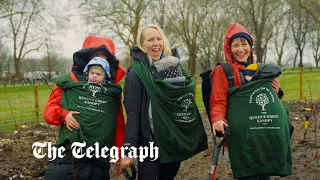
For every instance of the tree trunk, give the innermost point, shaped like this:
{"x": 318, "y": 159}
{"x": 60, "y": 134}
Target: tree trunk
{"x": 259, "y": 51}
{"x": 265, "y": 56}
{"x": 295, "y": 59}
{"x": 17, "y": 67}
{"x": 208, "y": 63}
{"x": 192, "y": 63}
{"x": 300, "y": 62}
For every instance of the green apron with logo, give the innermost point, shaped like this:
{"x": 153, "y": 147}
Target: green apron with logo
{"x": 98, "y": 106}
{"x": 178, "y": 128}
{"x": 259, "y": 142}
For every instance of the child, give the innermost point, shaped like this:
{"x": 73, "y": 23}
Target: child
{"x": 98, "y": 71}
{"x": 250, "y": 71}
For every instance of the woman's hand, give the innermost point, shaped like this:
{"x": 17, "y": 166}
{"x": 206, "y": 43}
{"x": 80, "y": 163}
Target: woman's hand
{"x": 218, "y": 126}
{"x": 70, "y": 122}
{"x": 125, "y": 162}
{"x": 118, "y": 168}
{"x": 275, "y": 85}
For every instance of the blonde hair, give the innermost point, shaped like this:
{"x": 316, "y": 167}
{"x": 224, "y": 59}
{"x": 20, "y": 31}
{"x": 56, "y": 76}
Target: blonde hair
{"x": 140, "y": 39}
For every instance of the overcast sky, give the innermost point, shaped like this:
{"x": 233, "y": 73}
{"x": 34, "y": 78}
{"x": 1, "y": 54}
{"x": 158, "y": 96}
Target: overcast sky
{"x": 69, "y": 40}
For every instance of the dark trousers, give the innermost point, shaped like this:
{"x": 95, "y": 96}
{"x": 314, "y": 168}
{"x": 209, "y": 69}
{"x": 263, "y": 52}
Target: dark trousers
{"x": 83, "y": 169}
{"x": 153, "y": 170}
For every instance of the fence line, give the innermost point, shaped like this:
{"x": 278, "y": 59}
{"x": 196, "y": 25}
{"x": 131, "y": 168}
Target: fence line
{"x": 24, "y": 104}
{"x": 23, "y": 110}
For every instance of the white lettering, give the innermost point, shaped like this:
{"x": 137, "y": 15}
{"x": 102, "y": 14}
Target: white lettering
{"x": 53, "y": 152}
{"x": 78, "y": 151}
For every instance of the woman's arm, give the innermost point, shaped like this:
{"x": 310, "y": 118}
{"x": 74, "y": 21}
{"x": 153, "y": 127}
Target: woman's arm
{"x": 53, "y": 113}
{"x": 218, "y": 99}
{"x": 132, "y": 102}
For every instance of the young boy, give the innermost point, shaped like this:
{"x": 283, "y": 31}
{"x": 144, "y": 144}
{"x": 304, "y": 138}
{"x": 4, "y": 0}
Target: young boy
{"x": 98, "y": 71}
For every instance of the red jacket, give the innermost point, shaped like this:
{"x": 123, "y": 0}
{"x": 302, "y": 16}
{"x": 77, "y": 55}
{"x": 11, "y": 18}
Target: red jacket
{"x": 218, "y": 98}
{"x": 54, "y": 114}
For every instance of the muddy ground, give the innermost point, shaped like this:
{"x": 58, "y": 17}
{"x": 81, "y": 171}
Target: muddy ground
{"x": 17, "y": 160}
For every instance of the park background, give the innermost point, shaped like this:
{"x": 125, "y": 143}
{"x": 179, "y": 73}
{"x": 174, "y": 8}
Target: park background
{"x": 38, "y": 38}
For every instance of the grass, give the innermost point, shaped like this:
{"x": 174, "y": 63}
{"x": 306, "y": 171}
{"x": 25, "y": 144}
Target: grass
{"x": 22, "y": 101}
{"x": 290, "y": 83}
{"x": 21, "y": 98}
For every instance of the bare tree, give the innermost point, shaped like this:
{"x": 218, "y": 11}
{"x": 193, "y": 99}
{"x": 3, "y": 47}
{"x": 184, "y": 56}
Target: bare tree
{"x": 211, "y": 36}
{"x": 122, "y": 17}
{"x": 160, "y": 17}
{"x": 4, "y": 56}
{"x": 186, "y": 18}
{"x": 25, "y": 33}
{"x": 315, "y": 43}
{"x": 312, "y": 7}
{"x": 260, "y": 17}
{"x": 30, "y": 65}
{"x": 301, "y": 28}
{"x": 4, "y": 13}
{"x": 121, "y": 20}
{"x": 281, "y": 39}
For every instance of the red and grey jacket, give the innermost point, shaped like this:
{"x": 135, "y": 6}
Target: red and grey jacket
{"x": 55, "y": 115}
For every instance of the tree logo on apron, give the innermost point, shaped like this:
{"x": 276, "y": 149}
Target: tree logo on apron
{"x": 185, "y": 101}
{"x": 94, "y": 88}
{"x": 184, "y": 116}
{"x": 262, "y": 100}
{"x": 263, "y": 96}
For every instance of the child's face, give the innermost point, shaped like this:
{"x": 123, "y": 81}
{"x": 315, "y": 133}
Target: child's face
{"x": 96, "y": 76}
{"x": 248, "y": 77}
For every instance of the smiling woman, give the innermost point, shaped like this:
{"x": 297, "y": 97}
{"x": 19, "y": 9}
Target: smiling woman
{"x": 160, "y": 106}
{"x": 152, "y": 41}
{"x": 251, "y": 140}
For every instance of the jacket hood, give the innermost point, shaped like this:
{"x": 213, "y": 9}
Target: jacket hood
{"x": 94, "y": 44}
{"x": 232, "y": 30}
{"x": 82, "y": 57}
{"x": 96, "y": 41}
{"x": 139, "y": 55}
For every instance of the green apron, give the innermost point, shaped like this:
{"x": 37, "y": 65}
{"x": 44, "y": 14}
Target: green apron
{"x": 259, "y": 142}
{"x": 98, "y": 106}
{"x": 178, "y": 128}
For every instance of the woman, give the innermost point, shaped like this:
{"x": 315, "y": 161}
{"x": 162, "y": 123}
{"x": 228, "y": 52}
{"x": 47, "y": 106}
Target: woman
{"x": 159, "y": 111}
{"x": 72, "y": 106}
{"x": 259, "y": 143}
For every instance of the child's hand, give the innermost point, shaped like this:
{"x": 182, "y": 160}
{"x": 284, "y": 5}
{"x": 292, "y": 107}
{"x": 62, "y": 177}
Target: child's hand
{"x": 70, "y": 122}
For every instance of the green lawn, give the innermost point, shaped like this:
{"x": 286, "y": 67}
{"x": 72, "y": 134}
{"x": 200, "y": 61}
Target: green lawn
{"x": 290, "y": 83}
{"x": 22, "y": 100}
